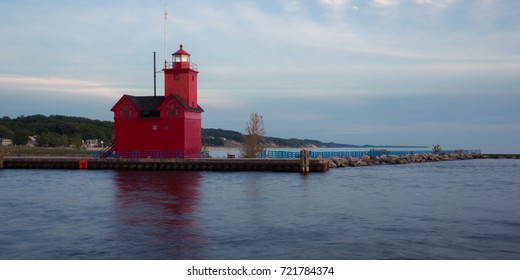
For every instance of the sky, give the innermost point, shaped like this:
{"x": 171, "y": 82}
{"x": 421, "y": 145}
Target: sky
{"x": 395, "y": 72}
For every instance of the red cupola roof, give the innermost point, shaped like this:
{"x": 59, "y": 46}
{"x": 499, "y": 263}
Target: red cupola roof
{"x": 181, "y": 52}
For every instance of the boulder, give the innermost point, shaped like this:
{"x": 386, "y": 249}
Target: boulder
{"x": 351, "y": 161}
{"x": 366, "y": 159}
{"x": 340, "y": 162}
{"x": 357, "y": 162}
{"x": 393, "y": 159}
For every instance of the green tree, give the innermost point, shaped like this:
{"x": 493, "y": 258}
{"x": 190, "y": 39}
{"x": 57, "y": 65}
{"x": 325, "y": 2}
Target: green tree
{"x": 44, "y": 139}
{"x": 436, "y": 149}
{"x": 253, "y": 137}
{"x": 54, "y": 139}
{"x": 64, "y": 140}
{"x": 5, "y": 132}
{"x": 21, "y": 136}
{"x": 77, "y": 141}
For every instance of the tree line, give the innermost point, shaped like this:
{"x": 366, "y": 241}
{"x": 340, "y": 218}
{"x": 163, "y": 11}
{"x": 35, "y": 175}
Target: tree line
{"x": 63, "y": 131}
{"x": 55, "y": 130}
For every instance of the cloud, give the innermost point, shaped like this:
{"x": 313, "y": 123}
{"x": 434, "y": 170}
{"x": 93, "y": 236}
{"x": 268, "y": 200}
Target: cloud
{"x": 291, "y": 5}
{"x": 423, "y": 37}
{"x": 336, "y": 5}
{"x": 434, "y": 2}
{"x": 218, "y": 99}
{"x": 386, "y": 3}
{"x": 438, "y": 4}
{"x": 60, "y": 86}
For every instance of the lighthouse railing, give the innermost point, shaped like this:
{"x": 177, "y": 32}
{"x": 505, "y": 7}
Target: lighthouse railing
{"x": 171, "y": 65}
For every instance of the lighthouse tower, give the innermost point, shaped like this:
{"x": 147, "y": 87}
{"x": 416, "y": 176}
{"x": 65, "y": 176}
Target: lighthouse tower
{"x": 180, "y": 77}
{"x": 166, "y": 126}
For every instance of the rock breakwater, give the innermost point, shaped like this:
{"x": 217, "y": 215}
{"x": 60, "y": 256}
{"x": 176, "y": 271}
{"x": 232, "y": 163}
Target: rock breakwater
{"x": 393, "y": 159}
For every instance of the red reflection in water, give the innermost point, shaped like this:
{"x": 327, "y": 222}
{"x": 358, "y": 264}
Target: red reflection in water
{"x": 157, "y": 209}
{"x": 176, "y": 191}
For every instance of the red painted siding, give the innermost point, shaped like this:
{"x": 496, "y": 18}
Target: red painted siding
{"x": 183, "y": 83}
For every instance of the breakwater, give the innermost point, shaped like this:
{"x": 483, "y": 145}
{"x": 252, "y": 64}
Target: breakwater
{"x": 394, "y": 159}
{"x": 239, "y": 164}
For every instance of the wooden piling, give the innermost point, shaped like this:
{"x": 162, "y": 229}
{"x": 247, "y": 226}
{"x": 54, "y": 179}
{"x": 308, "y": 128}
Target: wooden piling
{"x": 1, "y": 162}
{"x": 305, "y": 161}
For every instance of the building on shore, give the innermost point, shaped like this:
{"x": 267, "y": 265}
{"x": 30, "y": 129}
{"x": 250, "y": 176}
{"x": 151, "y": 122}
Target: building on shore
{"x": 166, "y": 126}
{"x": 6, "y": 142}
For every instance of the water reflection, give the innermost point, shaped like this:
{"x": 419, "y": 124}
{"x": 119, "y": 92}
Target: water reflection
{"x": 155, "y": 215}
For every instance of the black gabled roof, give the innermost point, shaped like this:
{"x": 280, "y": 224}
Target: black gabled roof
{"x": 198, "y": 109}
{"x": 146, "y": 103}
{"x": 150, "y": 103}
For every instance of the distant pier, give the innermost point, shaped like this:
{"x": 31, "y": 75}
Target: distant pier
{"x": 501, "y": 156}
{"x": 238, "y": 164}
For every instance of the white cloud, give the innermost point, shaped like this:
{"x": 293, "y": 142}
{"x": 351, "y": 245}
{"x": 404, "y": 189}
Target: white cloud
{"x": 386, "y": 3}
{"x": 62, "y": 86}
{"x": 218, "y": 99}
{"x": 336, "y": 5}
{"x": 439, "y": 4}
{"x": 291, "y": 5}
{"x": 253, "y": 32}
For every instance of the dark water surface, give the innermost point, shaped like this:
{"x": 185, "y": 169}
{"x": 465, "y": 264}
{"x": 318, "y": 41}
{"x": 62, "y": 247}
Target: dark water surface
{"x": 443, "y": 210}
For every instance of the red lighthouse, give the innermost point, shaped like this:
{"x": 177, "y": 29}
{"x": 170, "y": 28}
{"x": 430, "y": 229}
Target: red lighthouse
{"x": 166, "y": 126}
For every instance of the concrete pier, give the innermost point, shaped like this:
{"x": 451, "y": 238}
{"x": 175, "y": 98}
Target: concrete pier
{"x": 501, "y": 156}
{"x": 240, "y": 164}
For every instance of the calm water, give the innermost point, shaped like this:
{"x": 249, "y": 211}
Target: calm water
{"x": 445, "y": 210}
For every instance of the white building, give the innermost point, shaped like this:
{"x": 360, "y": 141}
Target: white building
{"x": 91, "y": 143}
{"x": 6, "y": 142}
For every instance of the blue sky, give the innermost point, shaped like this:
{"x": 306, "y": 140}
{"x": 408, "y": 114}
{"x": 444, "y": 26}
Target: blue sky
{"x": 399, "y": 72}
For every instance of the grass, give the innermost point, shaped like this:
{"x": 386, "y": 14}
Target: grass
{"x": 40, "y": 151}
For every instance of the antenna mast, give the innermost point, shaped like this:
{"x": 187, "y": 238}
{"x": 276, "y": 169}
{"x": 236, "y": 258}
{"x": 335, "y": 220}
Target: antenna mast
{"x": 165, "y": 18}
{"x": 154, "y": 77}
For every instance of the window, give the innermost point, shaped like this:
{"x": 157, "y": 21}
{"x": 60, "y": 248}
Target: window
{"x": 193, "y": 78}
{"x": 176, "y": 77}
{"x": 166, "y": 127}
{"x": 124, "y": 112}
{"x": 154, "y": 127}
{"x": 172, "y": 110}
